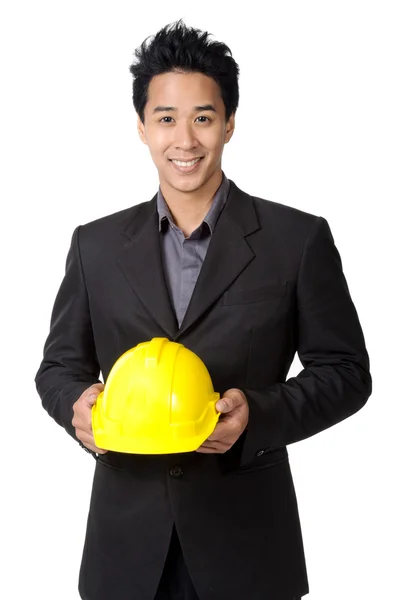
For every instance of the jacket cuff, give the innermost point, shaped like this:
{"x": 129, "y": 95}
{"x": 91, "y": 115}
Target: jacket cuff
{"x": 254, "y": 436}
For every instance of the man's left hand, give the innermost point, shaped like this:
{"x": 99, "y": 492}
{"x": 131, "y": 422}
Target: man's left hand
{"x": 231, "y": 424}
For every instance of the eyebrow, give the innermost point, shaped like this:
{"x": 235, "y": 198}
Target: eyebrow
{"x": 195, "y": 108}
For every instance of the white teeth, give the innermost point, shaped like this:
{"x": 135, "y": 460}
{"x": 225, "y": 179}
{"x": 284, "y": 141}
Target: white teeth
{"x": 184, "y": 163}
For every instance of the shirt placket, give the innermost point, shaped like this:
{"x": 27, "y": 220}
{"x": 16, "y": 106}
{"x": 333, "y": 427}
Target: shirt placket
{"x": 190, "y": 272}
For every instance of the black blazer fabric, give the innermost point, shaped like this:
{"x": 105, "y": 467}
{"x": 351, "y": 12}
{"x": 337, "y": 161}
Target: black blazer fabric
{"x": 271, "y": 284}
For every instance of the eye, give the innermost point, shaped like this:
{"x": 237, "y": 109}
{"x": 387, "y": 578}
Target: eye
{"x": 162, "y": 120}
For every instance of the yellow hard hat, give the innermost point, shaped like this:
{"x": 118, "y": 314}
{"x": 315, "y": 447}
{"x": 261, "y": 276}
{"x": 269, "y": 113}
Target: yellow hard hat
{"x": 158, "y": 399}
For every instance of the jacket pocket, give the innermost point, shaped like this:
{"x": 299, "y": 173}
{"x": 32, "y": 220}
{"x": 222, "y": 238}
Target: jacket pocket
{"x": 259, "y": 294}
{"x": 270, "y": 458}
{"x": 109, "y": 462}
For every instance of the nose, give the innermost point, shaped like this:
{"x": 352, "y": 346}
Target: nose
{"x": 184, "y": 137}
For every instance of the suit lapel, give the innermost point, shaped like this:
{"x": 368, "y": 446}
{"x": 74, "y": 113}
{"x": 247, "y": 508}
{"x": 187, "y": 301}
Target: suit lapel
{"x": 227, "y": 256}
{"x": 141, "y": 263}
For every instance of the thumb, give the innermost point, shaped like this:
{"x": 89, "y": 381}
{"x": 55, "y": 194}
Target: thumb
{"x": 222, "y": 406}
{"x": 230, "y": 400}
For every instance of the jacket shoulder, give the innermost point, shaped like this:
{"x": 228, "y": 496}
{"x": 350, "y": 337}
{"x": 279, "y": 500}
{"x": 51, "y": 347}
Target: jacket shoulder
{"x": 116, "y": 221}
{"x": 277, "y": 211}
{"x": 105, "y": 235}
{"x": 282, "y": 212}
{"x": 281, "y": 220}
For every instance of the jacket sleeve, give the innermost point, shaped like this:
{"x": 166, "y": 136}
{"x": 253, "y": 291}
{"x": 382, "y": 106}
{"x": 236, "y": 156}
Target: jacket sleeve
{"x": 335, "y": 382}
{"x": 70, "y": 363}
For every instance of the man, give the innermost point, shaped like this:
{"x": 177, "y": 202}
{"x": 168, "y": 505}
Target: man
{"x": 243, "y": 282}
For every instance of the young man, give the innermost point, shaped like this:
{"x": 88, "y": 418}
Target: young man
{"x": 243, "y": 282}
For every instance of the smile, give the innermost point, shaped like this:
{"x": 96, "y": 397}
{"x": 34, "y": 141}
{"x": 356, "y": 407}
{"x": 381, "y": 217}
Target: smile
{"x": 185, "y": 163}
{"x": 186, "y": 166}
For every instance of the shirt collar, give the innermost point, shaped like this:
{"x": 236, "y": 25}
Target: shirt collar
{"x": 211, "y": 217}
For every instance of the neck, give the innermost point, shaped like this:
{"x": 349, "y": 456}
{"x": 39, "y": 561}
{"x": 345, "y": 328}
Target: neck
{"x": 189, "y": 208}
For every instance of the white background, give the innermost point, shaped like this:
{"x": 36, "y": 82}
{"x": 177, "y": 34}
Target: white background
{"x": 316, "y": 129}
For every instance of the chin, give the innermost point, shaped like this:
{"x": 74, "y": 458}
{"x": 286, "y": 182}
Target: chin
{"x": 187, "y": 187}
{"x": 187, "y": 184}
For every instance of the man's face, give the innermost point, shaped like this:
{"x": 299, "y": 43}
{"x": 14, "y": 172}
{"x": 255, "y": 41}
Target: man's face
{"x": 184, "y": 121}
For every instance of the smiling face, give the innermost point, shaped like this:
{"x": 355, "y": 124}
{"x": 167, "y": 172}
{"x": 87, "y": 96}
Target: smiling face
{"x": 185, "y": 121}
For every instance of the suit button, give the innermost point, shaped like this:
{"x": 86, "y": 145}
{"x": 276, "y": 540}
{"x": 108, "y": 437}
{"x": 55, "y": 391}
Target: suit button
{"x": 261, "y": 452}
{"x": 176, "y": 472}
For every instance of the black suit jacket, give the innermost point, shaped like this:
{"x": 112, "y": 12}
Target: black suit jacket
{"x": 271, "y": 284}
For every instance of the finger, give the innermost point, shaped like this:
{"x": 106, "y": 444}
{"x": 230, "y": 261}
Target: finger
{"x": 217, "y": 442}
{"x": 94, "y": 390}
{"x": 85, "y": 437}
{"x": 88, "y": 441}
{"x": 94, "y": 448}
{"x": 221, "y": 446}
{"x": 96, "y": 386}
{"x": 82, "y": 420}
{"x": 92, "y": 398}
{"x": 78, "y": 422}
{"x": 221, "y": 431}
{"x": 212, "y": 450}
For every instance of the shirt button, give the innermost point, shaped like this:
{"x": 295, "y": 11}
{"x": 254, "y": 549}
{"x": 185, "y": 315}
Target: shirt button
{"x": 260, "y": 453}
{"x": 176, "y": 472}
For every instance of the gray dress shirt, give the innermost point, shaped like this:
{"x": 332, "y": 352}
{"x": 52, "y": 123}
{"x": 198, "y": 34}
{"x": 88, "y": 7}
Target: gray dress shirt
{"x": 183, "y": 257}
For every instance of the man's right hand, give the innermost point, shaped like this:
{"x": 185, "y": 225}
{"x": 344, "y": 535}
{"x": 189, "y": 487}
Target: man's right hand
{"x": 82, "y": 417}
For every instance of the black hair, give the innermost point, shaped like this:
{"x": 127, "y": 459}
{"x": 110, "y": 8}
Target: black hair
{"x": 179, "y": 48}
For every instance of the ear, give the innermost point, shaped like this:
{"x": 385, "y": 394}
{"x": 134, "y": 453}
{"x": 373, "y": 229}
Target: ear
{"x": 230, "y": 128}
{"x": 141, "y": 130}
